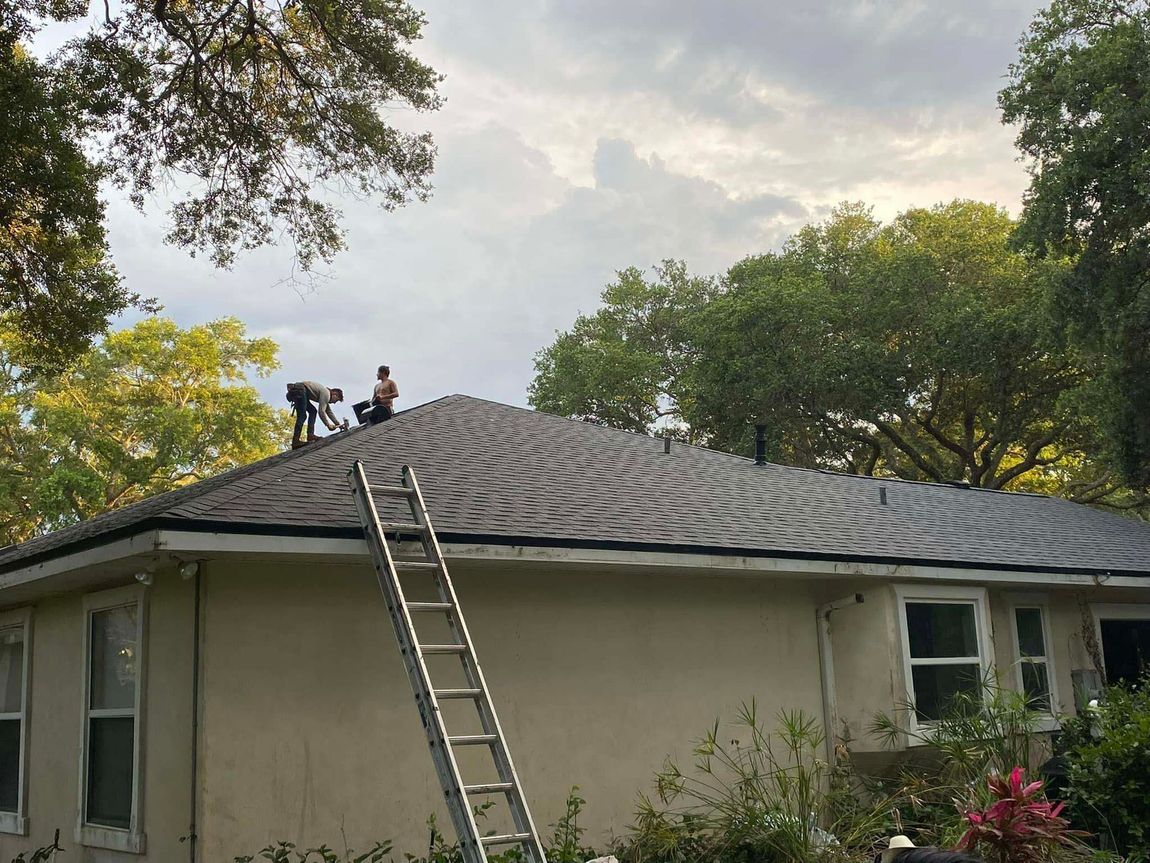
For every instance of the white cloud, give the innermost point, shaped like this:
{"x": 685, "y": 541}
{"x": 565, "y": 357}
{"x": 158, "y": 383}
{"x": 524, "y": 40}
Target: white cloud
{"x": 578, "y": 139}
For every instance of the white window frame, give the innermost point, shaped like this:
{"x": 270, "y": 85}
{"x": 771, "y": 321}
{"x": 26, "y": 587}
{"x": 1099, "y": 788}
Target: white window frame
{"x": 941, "y": 595}
{"x": 17, "y": 822}
{"x": 1048, "y": 721}
{"x": 133, "y": 840}
{"x": 1116, "y": 611}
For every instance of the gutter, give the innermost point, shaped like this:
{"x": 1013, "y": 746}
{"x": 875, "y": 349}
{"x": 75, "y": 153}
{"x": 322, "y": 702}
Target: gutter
{"x": 180, "y": 535}
{"x": 827, "y": 669}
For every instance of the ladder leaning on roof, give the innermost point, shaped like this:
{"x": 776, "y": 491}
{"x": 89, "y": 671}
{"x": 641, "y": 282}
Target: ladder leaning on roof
{"x": 457, "y": 795}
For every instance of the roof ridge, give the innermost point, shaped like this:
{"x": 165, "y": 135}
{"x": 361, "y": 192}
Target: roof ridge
{"x": 945, "y": 484}
{"x": 326, "y": 443}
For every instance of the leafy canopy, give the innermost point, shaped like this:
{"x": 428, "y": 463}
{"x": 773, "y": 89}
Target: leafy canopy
{"x": 1080, "y": 94}
{"x": 245, "y": 111}
{"x": 923, "y": 349}
{"x": 152, "y": 408}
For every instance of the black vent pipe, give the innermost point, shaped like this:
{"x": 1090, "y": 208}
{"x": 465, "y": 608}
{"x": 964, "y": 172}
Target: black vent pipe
{"x": 760, "y": 444}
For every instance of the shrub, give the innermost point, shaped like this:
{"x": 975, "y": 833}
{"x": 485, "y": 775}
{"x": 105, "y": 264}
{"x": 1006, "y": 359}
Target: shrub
{"x": 1020, "y": 826}
{"x": 766, "y": 797}
{"x": 1107, "y": 754}
{"x": 40, "y": 855}
{"x": 979, "y": 735}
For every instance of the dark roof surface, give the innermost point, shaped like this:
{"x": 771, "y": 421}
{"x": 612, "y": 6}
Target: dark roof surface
{"x": 503, "y": 474}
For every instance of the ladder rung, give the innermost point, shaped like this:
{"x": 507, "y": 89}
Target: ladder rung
{"x": 506, "y": 839}
{"x": 457, "y": 693}
{"x": 472, "y": 739}
{"x": 443, "y": 648}
{"x": 390, "y": 490}
{"x": 415, "y": 564}
{"x": 429, "y": 606}
{"x": 401, "y": 527}
{"x": 489, "y": 788}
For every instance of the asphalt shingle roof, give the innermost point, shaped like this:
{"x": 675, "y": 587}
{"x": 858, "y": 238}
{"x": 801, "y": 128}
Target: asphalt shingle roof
{"x": 503, "y": 474}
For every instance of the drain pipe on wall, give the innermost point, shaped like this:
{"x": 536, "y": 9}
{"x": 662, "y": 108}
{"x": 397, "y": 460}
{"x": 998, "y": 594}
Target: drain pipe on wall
{"x": 827, "y": 668}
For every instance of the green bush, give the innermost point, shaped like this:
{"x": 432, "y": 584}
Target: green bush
{"x": 766, "y": 796}
{"x": 980, "y": 734}
{"x": 1107, "y": 754}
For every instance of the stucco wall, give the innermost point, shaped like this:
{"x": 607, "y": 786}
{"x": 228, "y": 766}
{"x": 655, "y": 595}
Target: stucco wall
{"x": 311, "y": 734}
{"x": 56, "y": 726}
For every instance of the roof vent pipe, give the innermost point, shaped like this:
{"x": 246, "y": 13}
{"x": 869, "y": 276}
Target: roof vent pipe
{"x": 760, "y": 444}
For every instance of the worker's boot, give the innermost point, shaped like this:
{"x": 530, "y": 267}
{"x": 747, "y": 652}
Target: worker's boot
{"x": 296, "y": 443}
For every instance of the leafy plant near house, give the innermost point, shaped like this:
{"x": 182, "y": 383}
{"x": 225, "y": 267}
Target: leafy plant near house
{"x": 285, "y": 852}
{"x": 566, "y": 840}
{"x": 1020, "y": 826}
{"x": 980, "y": 733}
{"x": 765, "y": 795}
{"x": 1107, "y": 754}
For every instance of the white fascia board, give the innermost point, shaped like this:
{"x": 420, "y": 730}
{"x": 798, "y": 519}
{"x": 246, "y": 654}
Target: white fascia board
{"x": 192, "y": 542}
{"x": 142, "y": 543}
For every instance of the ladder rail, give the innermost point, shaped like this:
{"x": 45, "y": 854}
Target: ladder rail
{"x": 521, "y": 814}
{"x": 457, "y": 794}
{"x": 446, "y": 767}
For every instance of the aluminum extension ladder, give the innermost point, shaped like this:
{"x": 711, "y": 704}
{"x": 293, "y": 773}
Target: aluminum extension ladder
{"x": 458, "y": 796}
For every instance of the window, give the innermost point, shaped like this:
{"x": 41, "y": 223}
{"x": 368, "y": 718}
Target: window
{"x": 1032, "y": 654}
{"x": 1124, "y": 633}
{"x": 945, "y": 650}
{"x": 14, "y": 665}
{"x": 114, "y": 652}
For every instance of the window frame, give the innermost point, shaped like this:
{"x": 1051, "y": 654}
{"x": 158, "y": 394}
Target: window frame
{"x": 941, "y": 595}
{"x": 1048, "y": 721}
{"x": 16, "y": 823}
{"x": 132, "y": 840}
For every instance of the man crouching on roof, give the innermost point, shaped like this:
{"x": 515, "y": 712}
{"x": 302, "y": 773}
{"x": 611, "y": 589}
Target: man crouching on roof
{"x": 301, "y": 395}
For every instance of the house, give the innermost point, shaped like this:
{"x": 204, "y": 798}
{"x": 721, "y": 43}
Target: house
{"x": 211, "y": 669}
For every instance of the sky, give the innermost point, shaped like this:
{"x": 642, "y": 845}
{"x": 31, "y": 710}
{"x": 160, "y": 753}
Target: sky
{"x": 581, "y": 137}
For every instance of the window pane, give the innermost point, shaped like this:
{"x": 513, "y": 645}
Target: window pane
{"x": 936, "y": 685}
{"x": 941, "y": 629}
{"x": 9, "y": 765}
{"x": 110, "y": 757}
{"x": 1036, "y": 685}
{"x": 12, "y": 670}
{"x": 1030, "y": 639}
{"x": 114, "y": 658}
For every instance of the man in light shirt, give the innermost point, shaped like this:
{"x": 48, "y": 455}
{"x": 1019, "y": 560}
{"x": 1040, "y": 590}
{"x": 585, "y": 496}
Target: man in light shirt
{"x": 301, "y": 395}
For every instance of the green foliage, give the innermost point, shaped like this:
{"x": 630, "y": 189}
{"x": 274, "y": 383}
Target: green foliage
{"x": 566, "y": 840}
{"x": 766, "y": 795}
{"x": 924, "y": 349}
{"x": 250, "y": 111}
{"x": 55, "y": 280}
{"x": 624, "y": 366}
{"x": 979, "y": 734}
{"x": 286, "y": 852}
{"x": 152, "y": 408}
{"x": 1080, "y": 95}
{"x": 1107, "y": 753}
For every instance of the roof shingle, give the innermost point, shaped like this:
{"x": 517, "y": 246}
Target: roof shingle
{"x": 503, "y": 473}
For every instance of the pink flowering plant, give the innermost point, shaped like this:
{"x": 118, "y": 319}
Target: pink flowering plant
{"x": 1020, "y": 826}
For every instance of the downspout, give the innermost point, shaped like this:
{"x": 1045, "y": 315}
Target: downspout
{"x": 827, "y": 669}
{"x": 193, "y": 827}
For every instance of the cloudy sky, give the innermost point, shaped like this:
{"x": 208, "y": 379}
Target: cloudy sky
{"x": 579, "y": 138}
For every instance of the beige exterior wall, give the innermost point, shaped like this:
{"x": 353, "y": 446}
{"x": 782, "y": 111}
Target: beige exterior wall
{"x": 311, "y": 733}
{"x": 56, "y": 726}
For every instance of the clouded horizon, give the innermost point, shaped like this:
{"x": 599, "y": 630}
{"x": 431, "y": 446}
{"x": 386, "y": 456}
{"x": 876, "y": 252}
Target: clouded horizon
{"x": 578, "y": 139}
